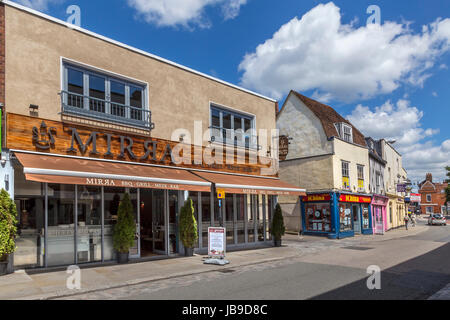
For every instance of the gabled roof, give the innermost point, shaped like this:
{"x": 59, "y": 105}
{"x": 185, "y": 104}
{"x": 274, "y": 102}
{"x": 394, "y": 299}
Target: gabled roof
{"x": 328, "y": 117}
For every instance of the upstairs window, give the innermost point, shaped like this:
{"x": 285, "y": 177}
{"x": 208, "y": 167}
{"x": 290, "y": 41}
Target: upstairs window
{"x": 428, "y": 197}
{"x": 345, "y": 175}
{"x": 360, "y": 177}
{"x": 232, "y": 128}
{"x": 93, "y": 94}
{"x": 345, "y": 131}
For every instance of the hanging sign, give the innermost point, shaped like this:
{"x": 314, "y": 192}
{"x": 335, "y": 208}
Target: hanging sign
{"x": 216, "y": 242}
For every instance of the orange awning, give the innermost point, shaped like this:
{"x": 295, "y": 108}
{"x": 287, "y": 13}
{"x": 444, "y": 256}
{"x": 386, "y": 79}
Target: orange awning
{"x": 64, "y": 170}
{"x": 251, "y": 185}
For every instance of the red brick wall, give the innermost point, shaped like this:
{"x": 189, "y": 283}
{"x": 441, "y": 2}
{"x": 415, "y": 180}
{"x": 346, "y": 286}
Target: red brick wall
{"x": 437, "y": 196}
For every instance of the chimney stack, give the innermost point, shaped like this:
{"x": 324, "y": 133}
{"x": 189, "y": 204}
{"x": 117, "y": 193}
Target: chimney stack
{"x": 429, "y": 177}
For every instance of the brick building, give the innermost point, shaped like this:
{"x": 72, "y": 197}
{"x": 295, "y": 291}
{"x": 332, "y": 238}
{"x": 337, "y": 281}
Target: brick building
{"x": 433, "y": 196}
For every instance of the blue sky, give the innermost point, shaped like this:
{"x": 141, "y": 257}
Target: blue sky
{"x": 390, "y": 81}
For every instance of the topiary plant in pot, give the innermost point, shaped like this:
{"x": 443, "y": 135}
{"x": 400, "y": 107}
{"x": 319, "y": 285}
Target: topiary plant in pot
{"x": 8, "y": 232}
{"x": 278, "y": 228}
{"x": 124, "y": 229}
{"x": 188, "y": 228}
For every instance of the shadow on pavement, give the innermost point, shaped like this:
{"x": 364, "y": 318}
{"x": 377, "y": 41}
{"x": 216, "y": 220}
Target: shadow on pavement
{"x": 418, "y": 278}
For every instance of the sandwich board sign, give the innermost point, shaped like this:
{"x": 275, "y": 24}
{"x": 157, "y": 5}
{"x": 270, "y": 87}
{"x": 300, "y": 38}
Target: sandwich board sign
{"x": 216, "y": 242}
{"x": 217, "y": 246}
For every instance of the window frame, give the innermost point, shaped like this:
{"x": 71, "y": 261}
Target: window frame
{"x": 347, "y": 163}
{"x": 429, "y": 195}
{"x": 88, "y": 71}
{"x": 232, "y": 141}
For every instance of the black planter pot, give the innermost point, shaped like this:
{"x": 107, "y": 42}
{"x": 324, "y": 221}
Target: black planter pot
{"x": 188, "y": 252}
{"x": 122, "y": 257}
{"x": 277, "y": 243}
{"x": 7, "y": 266}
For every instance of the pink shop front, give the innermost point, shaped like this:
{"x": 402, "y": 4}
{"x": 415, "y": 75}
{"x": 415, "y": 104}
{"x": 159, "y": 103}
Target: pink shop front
{"x": 379, "y": 204}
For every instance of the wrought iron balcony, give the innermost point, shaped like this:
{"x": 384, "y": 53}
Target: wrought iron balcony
{"x": 103, "y": 110}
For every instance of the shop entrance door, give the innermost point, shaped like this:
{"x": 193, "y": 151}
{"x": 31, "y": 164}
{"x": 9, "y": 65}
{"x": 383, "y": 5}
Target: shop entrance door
{"x": 159, "y": 222}
{"x": 379, "y": 224}
{"x": 356, "y": 218}
{"x": 135, "y": 250}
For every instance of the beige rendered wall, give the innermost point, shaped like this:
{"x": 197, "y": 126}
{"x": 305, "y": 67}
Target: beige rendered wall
{"x": 355, "y": 155}
{"x": 34, "y": 47}
{"x": 299, "y": 123}
{"x": 312, "y": 174}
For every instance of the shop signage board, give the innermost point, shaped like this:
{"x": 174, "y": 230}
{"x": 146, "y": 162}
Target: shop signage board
{"x": 216, "y": 242}
{"x": 317, "y": 197}
{"x": 284, "y": 148}
{"x": 354, "y": 199}
{"x": 416, "y": 197}
{"x": 54, "y": 137}
{"x": 401, "y": 187}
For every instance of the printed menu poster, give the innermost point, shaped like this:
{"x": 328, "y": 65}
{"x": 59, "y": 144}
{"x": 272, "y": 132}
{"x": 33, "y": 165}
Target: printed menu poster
{"x": 216, "y": 242}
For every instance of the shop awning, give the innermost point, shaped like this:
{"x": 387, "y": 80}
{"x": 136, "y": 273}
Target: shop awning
{"x": 251, "y": 185}
{"x": 64, "y": 170}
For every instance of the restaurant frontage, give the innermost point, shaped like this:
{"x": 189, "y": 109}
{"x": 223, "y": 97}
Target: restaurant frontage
{"x": 336, "y": 215}
{"x": 69, "y": 180}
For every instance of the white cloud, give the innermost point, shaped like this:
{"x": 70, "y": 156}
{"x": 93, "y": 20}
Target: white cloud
{"x": 402, "y": 122}
{"x": 40, "y": 5}
{"x": 341, "y": 61}
{"x": 186, "y": 13}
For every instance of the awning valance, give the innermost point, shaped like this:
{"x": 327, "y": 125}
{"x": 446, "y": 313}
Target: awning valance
{"x": 251, "y": 185}
{"x": 65, "y": 170}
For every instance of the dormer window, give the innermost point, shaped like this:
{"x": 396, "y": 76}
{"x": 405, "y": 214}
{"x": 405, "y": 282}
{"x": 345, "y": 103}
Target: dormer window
{"x": 345, "y": 131}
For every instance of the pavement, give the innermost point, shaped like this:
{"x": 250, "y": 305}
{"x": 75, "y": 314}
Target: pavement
{"x": 105, "y": 281}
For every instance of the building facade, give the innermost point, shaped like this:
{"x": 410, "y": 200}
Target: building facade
{"x": 394, "y": 175}
{"x": 329, "y": 158}
{"x": 86, "y": 119}
{"x": 433, "y": 196}
{"x": 376, "y": 185}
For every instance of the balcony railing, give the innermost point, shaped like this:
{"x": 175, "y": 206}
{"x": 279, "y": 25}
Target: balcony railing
{"x": 237, "y": 138}
{"x": 84, "y": 106}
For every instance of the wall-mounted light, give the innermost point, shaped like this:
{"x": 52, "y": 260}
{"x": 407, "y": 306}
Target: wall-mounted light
{"x": 34, "y": 108}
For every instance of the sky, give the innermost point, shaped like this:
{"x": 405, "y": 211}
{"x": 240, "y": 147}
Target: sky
{"x": 385, "y": 68}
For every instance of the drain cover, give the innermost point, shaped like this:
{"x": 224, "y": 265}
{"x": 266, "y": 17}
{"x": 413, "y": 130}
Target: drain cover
{"x": 358, "y": 248}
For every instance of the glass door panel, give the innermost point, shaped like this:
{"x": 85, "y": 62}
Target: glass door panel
{"x": 229, "y": 218}
{"x": 240, "y": 218}
{"x": 135, "y": 250}
{"x": 158, "y": 222}
{"x": 173, "y": 218}
{"x": 356, "y": 218}
{"x": 89, "y": 230}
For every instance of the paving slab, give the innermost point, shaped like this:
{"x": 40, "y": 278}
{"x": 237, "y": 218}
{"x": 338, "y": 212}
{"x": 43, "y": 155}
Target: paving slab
{"x": 21, "y": 285}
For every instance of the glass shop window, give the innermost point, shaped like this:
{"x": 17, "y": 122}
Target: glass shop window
{"x": 318, "y": 217}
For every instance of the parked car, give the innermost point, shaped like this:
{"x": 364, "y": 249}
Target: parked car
{"x": 437, "y": 219}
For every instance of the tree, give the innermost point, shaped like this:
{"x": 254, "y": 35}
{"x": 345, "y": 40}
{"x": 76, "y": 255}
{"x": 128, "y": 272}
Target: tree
{"x": 278, "y": 228}
{"x": 125, "y": 228}
{"x": 188, "y": 225}
{"x": 8, "y": 225}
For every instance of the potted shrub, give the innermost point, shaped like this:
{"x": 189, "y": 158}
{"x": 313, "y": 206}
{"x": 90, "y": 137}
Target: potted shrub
{"x": 124, "y": 229}
{"x": 8, "y": 232}
{"x": 278, "y": 228}
{"x": 188, "y": 228}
